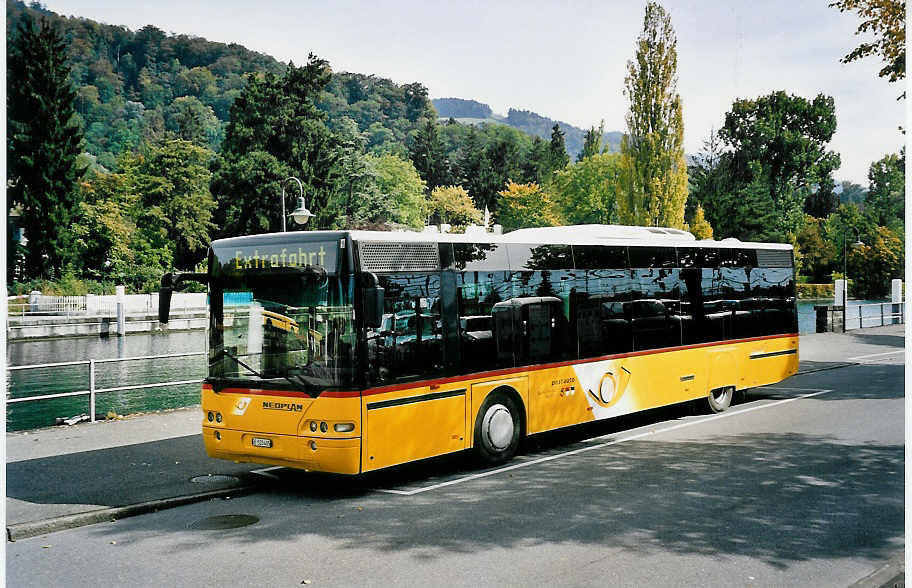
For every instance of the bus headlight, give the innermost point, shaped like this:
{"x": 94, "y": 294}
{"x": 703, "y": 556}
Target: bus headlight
{"x": 323, "y": 427}
{"x": 313, "y": 426}
{"x": 209, "y": 416}
{"x": 344, "y": 427}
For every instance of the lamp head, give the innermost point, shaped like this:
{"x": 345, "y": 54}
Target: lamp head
{"x": 300, "y": 214}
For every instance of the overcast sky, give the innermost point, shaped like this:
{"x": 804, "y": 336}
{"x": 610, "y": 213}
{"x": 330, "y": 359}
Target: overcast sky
{"x": 564, "y": 60}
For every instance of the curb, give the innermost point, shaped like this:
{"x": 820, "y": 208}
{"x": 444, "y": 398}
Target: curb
{"x": 103, "y": 515}
{"x": 890, "y": 575}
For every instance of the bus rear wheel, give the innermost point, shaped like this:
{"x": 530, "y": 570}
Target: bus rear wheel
{"x": 720, "y": 399}
{"x": 497, "y": 429}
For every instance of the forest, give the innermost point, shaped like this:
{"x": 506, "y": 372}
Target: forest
{"x": 158, "y": 143}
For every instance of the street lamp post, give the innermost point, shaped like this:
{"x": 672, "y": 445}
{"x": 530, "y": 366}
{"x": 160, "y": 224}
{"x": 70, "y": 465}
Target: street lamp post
{"x": 300, "y": 214}
{"x": 845, "y": 271}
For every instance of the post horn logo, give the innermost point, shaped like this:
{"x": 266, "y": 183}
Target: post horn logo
{"x": 611, "y": 387}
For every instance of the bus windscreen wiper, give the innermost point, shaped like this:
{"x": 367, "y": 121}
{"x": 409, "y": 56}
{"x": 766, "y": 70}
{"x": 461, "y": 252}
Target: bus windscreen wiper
{"x": 225, "y": 352}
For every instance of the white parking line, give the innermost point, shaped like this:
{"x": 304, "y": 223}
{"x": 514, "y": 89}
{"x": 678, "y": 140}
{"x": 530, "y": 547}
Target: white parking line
{"x": 877, "y": 354}
{"x": 600, "y": 445}
{"x": 265, "y": 472}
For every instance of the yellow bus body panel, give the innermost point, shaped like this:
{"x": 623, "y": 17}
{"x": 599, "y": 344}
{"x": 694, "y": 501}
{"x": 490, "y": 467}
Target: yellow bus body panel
{"x": 404, "y": 423}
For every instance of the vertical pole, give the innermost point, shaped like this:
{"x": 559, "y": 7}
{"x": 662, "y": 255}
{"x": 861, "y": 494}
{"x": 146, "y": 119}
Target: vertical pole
{"x": 859, "y": 317}
{"x": 92, "y": 390}
{"x": 121, "y": 312}
{"x": 845, "y": 280}
{"x": 283, "y": 206}
{"x": 881, "y": 315}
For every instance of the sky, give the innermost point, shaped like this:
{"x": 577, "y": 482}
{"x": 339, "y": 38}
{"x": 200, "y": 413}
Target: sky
{"x": 564, "y": 60}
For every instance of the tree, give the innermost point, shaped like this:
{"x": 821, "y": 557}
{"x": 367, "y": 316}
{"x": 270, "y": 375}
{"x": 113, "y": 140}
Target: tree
{"x": 44, "y": 140}
{"x": 451, "y": 204}
{"x": 526, "y": 205}
{"x": 173, "y": 180}
{"x": 886, "y": 19}
{"x": 783, "y": 138}
{"x": 472, "y": 166}
{"x": 752, "y": 214}
{"x": 887, "y": 189}
{"x": 105, "y": 225}
{"x": 653, "y": 172}
{"x": 711, "y": 187}
{"x": 592, "y": 142}
{"x": 537, "y": 166}
{"x": 844, "y": 225}
{"x": 821, "y": 199}
{"x": 585, "y": 191}
{"x": 428, "y": 155}
{"x": 279, "y": 116}
{"x": 109, "y": 242}
{"x": 699, "y": 226}
{"x": 875, "y": 263}
{"x": 398, "y": 181}
{"x": 355, "y": 182}
{"x": 557, "y": 150}
{"x": 817, "y": 253}
{"x": 191, "y": 120}
{"x": 852, "y": 192}
{"x": 248, "y": 190}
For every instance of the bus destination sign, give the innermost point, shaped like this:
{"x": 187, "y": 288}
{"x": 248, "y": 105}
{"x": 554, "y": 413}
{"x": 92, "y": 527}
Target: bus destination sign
{"x": 266, "y": 257}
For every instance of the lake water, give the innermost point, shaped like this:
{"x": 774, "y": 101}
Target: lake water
{"x": 33, "y": 382}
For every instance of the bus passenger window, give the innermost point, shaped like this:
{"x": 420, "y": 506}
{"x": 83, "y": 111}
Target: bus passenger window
{"x": 408, "y": 344}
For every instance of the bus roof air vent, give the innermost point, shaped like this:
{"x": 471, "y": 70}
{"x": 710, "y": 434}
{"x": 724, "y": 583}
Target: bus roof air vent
{"x": 398, "y": 256}
{"x": 774, "y": 257}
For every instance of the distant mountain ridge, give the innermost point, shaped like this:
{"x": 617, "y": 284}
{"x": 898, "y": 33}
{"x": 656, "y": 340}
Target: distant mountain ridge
{"x": 474, "y": 112}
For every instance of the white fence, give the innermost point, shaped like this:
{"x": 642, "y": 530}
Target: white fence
{"x": 102, "y": 305}
{"x": 874, "y": 315}
{"x": 93, "y": 390}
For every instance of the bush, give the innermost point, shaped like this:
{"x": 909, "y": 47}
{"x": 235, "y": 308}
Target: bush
{"x": 815, "y": 290}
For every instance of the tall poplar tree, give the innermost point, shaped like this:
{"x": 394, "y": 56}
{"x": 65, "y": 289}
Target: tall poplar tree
{"x": 653, "y": 172}
{"x": 43, "y": 142}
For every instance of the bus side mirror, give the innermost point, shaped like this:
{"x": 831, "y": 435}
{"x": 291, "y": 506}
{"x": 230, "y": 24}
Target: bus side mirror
{"x": 164, "y": 297}
{"x": 373, "y": 306}
{"x": 171, "y": 282}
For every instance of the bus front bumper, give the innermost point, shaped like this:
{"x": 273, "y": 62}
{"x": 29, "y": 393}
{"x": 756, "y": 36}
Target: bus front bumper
{"x": 338, "y": 456}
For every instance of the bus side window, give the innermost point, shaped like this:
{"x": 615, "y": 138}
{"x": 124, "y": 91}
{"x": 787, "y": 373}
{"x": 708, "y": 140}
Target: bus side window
{"x": 409, "y": 342}
{"x": 479, "y": 291}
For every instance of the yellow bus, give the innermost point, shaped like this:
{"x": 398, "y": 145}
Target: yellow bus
{"x": 419, "y": 344}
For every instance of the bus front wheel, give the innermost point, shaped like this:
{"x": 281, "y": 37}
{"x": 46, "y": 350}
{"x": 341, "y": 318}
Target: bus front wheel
{"x": 497, "y": 429}
{"x": 720, "y": 399}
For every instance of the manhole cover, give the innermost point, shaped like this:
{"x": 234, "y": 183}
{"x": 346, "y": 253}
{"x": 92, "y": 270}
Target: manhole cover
{"x": 213, "y": 479}
{"x": 222, "y": 522}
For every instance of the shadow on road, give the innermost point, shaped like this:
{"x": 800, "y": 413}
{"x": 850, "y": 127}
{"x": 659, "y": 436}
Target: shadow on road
{"x": 879, "y": 339}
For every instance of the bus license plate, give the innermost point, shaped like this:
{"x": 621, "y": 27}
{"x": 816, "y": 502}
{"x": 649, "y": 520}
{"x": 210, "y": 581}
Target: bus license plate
{"x": 261, "y": 442}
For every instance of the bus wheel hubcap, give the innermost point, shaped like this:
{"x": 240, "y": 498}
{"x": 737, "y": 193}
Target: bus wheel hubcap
{"x": 498, "y": 427}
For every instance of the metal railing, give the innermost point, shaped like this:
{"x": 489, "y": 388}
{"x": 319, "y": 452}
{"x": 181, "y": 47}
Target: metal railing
{"x": 874, "y": 315}
{"x": 99, "y": 305}
{"x": 93, "y": 391}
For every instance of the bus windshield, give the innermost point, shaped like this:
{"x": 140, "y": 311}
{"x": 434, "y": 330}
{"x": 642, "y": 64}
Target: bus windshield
{"x": 282, "y": 330}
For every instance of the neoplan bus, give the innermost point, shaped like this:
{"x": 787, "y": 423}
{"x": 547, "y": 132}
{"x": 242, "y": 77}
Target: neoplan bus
{"x": 350, "y": 351}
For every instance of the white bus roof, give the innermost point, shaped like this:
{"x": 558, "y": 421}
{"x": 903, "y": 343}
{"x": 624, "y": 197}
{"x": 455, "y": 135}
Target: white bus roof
{"x": 571, "y": 235}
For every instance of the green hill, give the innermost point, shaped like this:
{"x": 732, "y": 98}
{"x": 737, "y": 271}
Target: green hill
{"x": 474, "y": 112}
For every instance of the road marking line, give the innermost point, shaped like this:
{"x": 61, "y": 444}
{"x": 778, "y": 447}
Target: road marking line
{"x": 592, "y": 447}
{"x": 794, "y": 389}
{"x": 265, "y": 472}
{"x": 877, "y": 354}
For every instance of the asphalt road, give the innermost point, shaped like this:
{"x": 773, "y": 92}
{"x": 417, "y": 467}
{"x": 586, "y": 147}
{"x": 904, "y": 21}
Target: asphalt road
{"x": 800, "y": 484}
